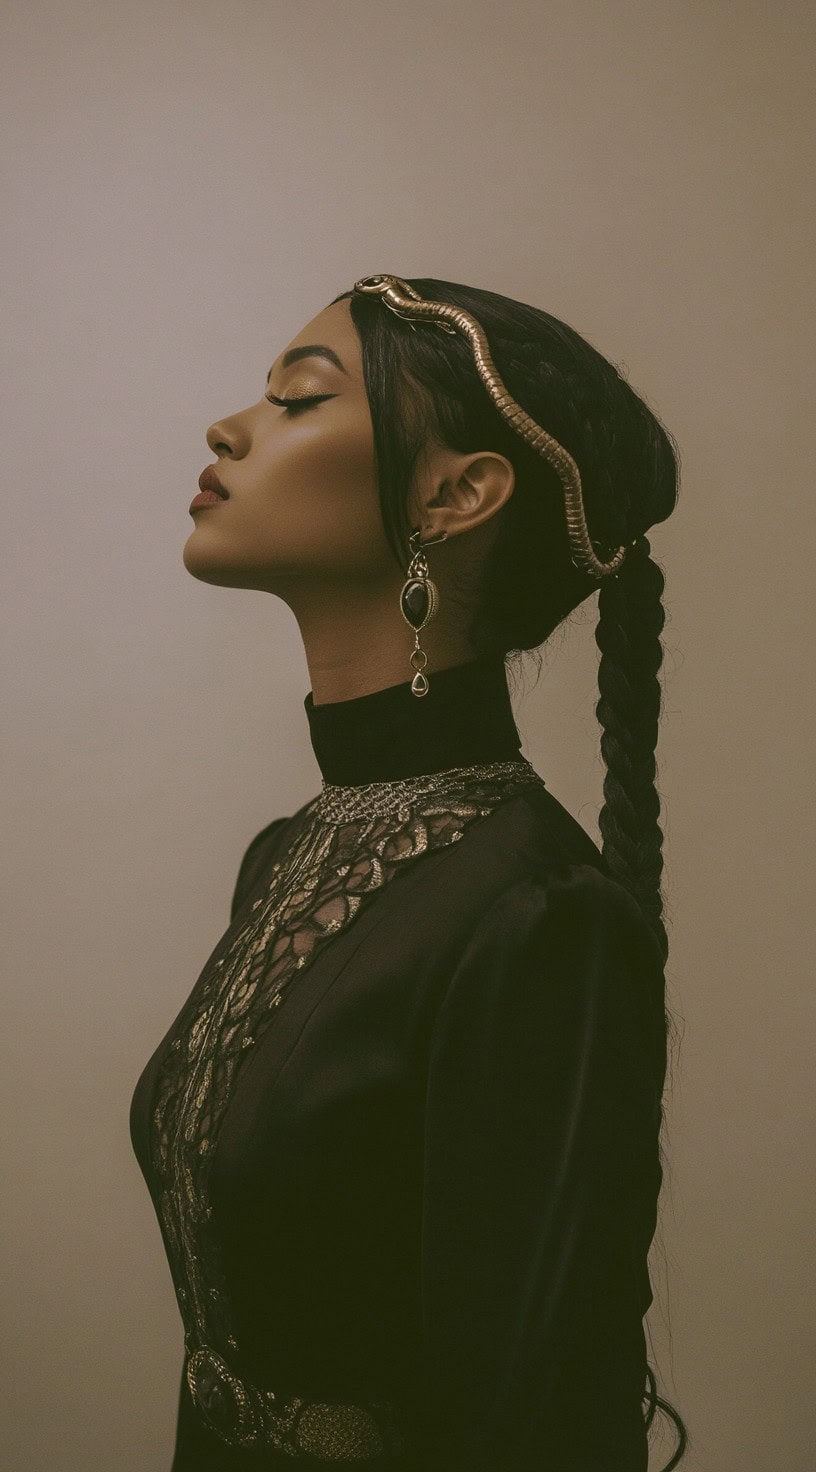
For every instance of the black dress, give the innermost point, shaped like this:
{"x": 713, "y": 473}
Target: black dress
{"x": 402, "y": 1138}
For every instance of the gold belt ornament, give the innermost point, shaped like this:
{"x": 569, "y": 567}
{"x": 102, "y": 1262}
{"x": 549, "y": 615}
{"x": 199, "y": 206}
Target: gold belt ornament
{"x": 244, "y": 1415}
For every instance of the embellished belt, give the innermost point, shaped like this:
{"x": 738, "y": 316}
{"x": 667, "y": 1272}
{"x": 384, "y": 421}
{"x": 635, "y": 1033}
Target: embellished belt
{"x": 244, "y": 1415}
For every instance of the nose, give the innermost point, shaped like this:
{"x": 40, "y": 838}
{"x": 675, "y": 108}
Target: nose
{"x": 218, "y": 440}
{"x": 227, "y": 437}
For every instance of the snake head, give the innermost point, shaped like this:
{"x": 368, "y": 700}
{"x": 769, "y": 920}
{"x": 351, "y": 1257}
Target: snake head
{"x": 376, "y": 285}
{"x": 398, "y": 295}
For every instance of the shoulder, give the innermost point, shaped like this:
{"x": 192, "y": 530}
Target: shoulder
{"x": 565, "y": 909}
{"x": 565, "y": 883}
{"x": 563, "y": 952}
{"x": 264, "y": 843}
{"x": 257, "y": 857}
{"x": 261, "y": 841}
{"x": 556, "y": 839}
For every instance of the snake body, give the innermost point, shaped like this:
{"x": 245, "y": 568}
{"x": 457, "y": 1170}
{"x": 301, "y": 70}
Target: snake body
{"x": 401, "y": 298}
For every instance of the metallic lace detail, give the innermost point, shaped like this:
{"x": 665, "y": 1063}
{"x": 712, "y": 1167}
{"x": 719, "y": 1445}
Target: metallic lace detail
{"x": 343, "y": 847}
{"x": 243, "y": 1415}
{"x": 338, "y": 804}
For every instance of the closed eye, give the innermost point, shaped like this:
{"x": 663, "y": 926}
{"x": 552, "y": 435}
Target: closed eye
{"x": 296, "y": 406}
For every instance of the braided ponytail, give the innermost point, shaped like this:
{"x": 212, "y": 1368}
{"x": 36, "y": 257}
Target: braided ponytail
{"x": 630, "y": 620}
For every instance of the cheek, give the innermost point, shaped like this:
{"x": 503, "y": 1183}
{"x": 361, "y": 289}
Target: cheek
{"x": 320, "y": 485}
{"x": 334, "y": 461}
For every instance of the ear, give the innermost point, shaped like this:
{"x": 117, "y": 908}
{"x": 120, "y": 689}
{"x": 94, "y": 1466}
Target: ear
{"x": 471, "y": 488}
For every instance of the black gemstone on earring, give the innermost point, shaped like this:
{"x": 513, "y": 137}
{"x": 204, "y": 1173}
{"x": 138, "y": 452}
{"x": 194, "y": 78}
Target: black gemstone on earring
{"x": 416, "y": 603}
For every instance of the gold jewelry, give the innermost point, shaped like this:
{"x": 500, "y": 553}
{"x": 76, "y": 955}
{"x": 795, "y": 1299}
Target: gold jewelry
{"x": 419, "y": 601}
{"x": 399, "y": 296}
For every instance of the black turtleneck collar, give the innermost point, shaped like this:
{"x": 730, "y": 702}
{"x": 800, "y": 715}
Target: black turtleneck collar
{"x": 466, "y": 717}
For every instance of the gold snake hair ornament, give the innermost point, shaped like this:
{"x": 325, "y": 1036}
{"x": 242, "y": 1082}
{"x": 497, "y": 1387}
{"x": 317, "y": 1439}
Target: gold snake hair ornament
{"x": 399, "y": 296}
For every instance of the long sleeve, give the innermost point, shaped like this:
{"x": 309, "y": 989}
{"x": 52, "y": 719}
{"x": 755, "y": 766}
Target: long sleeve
{"x": 542, "y": 1173}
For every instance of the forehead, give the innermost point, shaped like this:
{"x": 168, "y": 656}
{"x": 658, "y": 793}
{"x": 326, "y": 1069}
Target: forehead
{"x": 334, "y": 327}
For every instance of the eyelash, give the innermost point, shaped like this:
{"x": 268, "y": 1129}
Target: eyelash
{"x": 289, "y": 404}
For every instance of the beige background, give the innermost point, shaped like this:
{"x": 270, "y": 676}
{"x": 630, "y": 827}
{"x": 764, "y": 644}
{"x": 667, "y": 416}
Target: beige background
{"x": 184, "y": 186}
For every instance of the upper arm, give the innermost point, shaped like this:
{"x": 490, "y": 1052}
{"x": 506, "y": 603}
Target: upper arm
{"x": 541, "y": 1178}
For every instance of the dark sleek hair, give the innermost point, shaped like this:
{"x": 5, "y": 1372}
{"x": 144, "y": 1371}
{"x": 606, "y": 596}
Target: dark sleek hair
{"x": 422, "y": 382}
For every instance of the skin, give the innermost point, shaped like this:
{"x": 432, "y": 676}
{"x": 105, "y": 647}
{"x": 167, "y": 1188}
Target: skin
{"x": 303, "y": 521}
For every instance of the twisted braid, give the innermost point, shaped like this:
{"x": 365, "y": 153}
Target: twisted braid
{"x": 630, "y": 620}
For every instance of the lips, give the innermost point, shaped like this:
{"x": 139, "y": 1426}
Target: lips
{"x": 208, "y": 481}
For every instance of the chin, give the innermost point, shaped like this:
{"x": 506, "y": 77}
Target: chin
{"x": 206, "y": 565}
{"x": 210, "y": 568}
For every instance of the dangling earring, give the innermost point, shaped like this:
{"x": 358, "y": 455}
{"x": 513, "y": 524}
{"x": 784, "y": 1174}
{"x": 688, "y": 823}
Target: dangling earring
{"x": 419, "y": 601}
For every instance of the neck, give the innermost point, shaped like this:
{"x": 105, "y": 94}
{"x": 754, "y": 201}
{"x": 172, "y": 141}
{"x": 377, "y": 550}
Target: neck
{"x": 387, "y": 734}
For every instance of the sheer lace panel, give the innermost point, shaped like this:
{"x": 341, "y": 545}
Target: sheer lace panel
{"x": 342, "y": 849}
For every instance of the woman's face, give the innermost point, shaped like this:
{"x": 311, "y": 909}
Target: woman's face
{"x": 302, "y": 494}
{"x": 302, "y": 518}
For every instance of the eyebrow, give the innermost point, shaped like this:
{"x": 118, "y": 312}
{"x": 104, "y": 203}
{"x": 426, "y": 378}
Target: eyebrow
{"x": 309, "y": 350}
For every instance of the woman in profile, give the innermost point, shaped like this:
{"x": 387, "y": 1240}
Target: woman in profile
{"x": 403, "y": 1136}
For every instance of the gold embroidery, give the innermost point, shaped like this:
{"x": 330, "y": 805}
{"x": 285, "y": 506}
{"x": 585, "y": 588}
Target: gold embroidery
{"x": 349, "y": 842}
